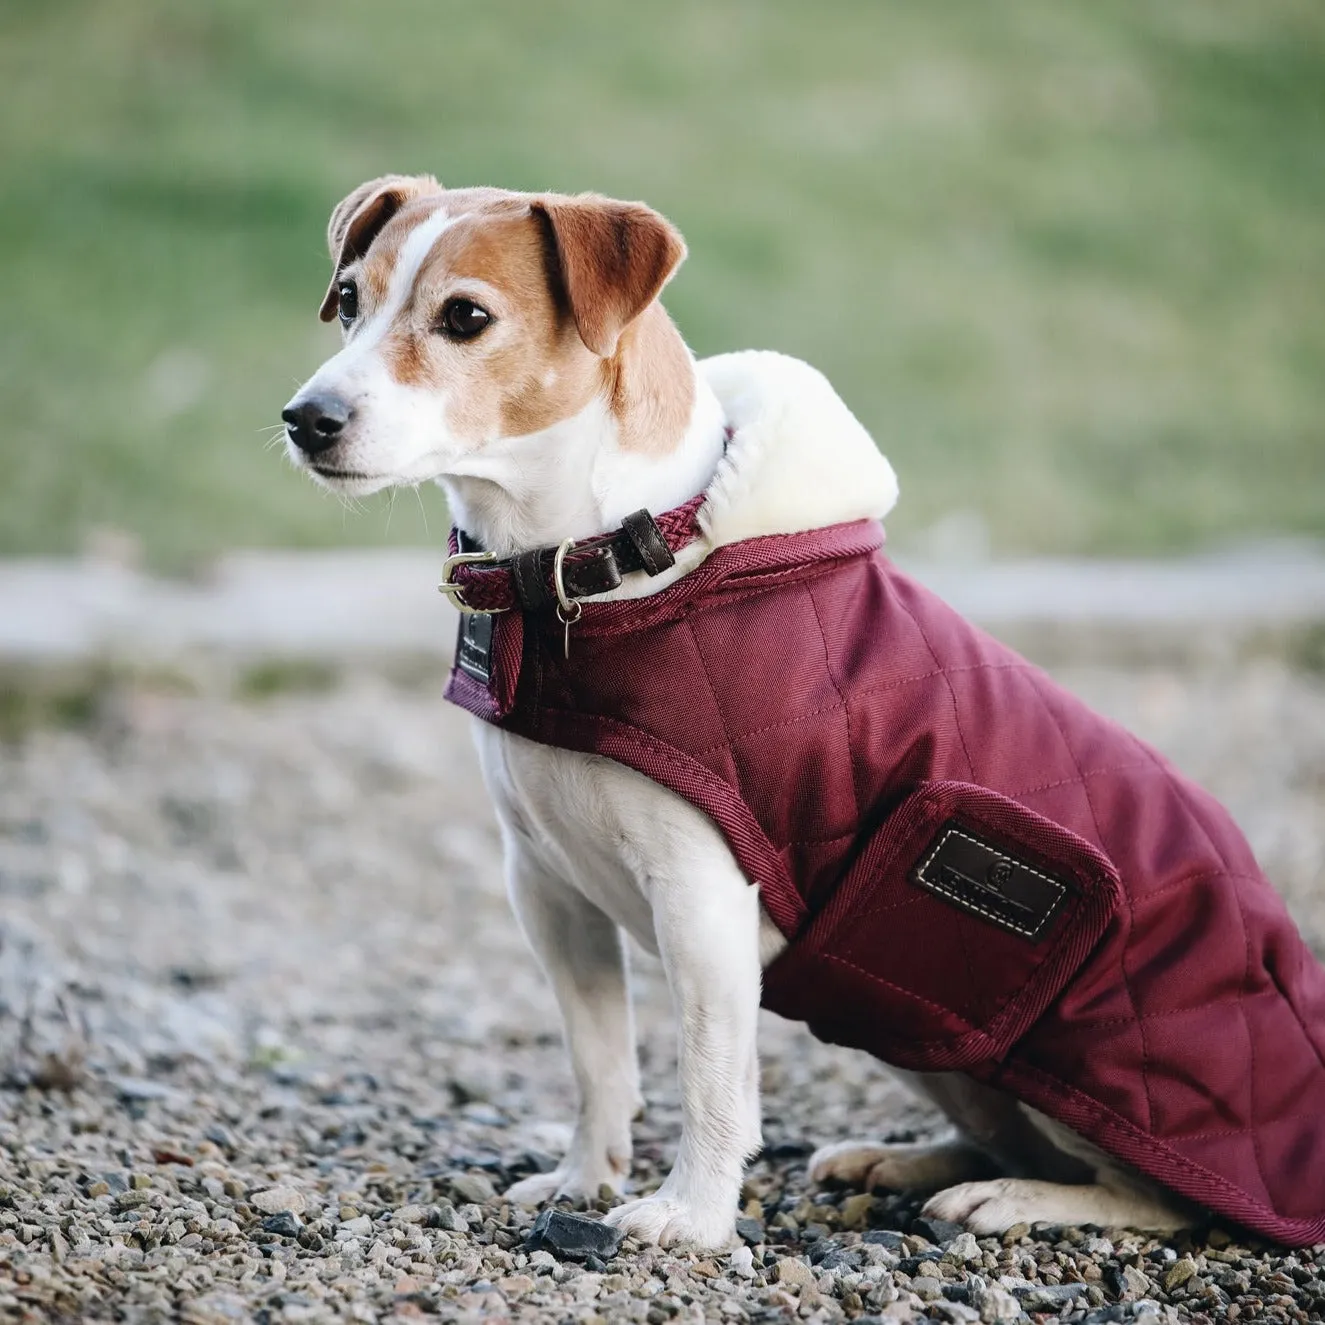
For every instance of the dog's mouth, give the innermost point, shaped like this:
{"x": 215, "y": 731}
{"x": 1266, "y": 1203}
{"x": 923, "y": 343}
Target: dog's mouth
{"x": 331, "y": 471}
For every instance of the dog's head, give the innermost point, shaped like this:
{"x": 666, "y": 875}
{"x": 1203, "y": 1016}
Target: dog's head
{"x": 469, "y": 316}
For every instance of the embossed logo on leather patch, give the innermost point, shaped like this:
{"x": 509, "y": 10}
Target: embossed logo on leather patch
{"x": 473, "y": 648}
{"x": 986, "y": 881}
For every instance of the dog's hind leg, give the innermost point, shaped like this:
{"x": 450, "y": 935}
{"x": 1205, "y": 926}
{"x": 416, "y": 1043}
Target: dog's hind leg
{"x": 1100, "y": 1191}
{"x": 583, "y": 955}
{"x": 901, "y": 1167}
{"x": 994, "y": 1137}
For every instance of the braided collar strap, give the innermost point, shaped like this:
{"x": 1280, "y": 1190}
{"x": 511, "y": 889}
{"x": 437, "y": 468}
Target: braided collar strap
{"x": 478, "y": 582}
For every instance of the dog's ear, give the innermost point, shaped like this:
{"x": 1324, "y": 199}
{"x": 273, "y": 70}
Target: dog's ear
{"x": 358, "y": 219}
{"x": 614, "y": 258}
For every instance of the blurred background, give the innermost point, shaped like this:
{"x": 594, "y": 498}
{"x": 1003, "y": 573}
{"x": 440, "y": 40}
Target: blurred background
{"x": 1065, "y": 261}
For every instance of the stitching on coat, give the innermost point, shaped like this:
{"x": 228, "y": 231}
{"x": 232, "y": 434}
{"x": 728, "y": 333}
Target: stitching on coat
{"x": 1246, "y": 1022}
{"x": 1094, "y": 1023}
{"x": 713, "y": 694}
{"x": 909, "y": 993}
{"x": 1089, "y": 773}
{"x": 1246, "y": 973}
{"x": 766, "y": 582}
{"x": 1021, "y": 666}
{"x": 1131, "y": 910}
{"x": 828, "y": 667}
{"x": 1196, "y": 876}
{"x": 941, "y": 888}
{"x": 820, "y": 841}
{"x": 1242, "y": 1131}
{"x": 912, "y": 897}
{"x": 669, "y": 751}
{"x": 947, "y": 681}
{"x": 772, "y": 726}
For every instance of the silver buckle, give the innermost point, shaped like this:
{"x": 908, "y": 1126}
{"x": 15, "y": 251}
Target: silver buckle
{"x": 456, "y": 591}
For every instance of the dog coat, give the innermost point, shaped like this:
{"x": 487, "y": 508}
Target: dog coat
{"x": 973, "y": 870}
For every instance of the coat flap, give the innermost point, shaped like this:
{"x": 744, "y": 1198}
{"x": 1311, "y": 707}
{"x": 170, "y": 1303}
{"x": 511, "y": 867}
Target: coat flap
{"x": 957, "y": 924}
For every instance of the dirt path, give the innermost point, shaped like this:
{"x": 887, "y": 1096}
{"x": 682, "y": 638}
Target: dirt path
{"x": 275, "y": 935}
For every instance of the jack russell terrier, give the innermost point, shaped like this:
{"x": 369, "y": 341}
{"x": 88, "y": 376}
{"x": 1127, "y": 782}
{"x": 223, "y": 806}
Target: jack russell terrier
{"x": 713, "y": 715}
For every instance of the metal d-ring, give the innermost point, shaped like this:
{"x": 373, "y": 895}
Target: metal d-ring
{"x": 569, "y": 610}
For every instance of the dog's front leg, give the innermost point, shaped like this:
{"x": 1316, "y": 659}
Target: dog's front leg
{"x": 707, "y": 927}
{"x": 582, "y": 953}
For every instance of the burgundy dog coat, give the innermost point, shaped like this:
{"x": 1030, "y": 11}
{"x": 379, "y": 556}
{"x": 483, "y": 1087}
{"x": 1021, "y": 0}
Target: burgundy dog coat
{"x": 974, "y": 871}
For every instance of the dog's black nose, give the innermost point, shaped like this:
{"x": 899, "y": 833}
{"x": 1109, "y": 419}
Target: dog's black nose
{"x": 316, "y": 423}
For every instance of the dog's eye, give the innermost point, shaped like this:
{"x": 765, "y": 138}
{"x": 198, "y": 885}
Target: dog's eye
{"x": 349, "y": 303}
{"x": 462, "y": 319}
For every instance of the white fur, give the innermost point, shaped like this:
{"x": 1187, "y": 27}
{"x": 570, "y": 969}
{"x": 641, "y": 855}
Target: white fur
{"x": 514, "y": 492}
{"x": 593, "y": 848}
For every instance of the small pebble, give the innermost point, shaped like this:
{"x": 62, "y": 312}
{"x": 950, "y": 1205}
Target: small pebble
{"x": 285, "y": 1223}
{"x": 473, "y": 1188}
{"x": 275, "y": 1199}
{"x": 750, "y": 1231}
{"x": 1179, "y": 1273}
{"x": 926, "y": 1287}
{"x": 572, "y": 1236}
{"x": 961, "y": 1249}
{"x": 793, "y": 1272}
{"x": 885, "y": 1237}
{"x": 937, "y": 1231}
{"x": 741, "y": 1263}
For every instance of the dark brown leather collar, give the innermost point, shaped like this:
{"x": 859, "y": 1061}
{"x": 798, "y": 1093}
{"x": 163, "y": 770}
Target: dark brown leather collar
{"x": 592, "y": 566}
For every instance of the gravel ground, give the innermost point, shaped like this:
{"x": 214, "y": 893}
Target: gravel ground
{"x": 271, "y": 1042}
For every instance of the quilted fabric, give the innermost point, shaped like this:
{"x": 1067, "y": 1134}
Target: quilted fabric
{"x": 832, "y": 716}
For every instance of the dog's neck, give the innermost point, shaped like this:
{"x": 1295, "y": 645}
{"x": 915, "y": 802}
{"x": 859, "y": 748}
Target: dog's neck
{"x": 650, "y": 436}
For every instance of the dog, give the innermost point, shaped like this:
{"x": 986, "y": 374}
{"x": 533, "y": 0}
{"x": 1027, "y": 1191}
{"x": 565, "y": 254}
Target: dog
{"x": 511, "y": 347}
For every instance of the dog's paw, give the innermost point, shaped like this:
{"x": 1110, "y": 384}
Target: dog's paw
{"x": 847, "y": 1162}
{"x": 673, "y": 1223}
{"x": 987, "y": 1207}
{"x": 898, "y": 1167}
{"x": 540, "y": 1188}
{"x": 993, "y": 1207}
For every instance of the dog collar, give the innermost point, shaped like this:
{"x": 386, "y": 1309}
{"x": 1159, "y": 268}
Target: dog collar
{"x": 477, "y": 581}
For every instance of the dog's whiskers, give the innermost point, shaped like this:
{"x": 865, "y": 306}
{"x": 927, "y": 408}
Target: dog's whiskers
{"x": 423, "y": 511}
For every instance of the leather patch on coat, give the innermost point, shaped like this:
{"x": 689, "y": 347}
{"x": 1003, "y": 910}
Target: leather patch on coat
{"x": 986, "y": 881}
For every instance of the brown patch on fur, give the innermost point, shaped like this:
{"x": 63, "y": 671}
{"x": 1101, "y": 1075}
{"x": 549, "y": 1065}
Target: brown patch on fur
{"x": 407, "y": 360}
{"x": 653, "y": 392}
{"x": 615, "y": 258}
{"x": 360, "y": 217}
{"x": 374, "y": 272}
{"x": 541, "y": 374}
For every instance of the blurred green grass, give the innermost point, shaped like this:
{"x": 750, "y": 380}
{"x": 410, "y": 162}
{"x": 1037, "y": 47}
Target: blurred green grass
{"x": 1065, "y": 261}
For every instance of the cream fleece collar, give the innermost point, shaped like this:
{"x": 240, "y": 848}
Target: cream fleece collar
{"x": 798, "y": 458}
